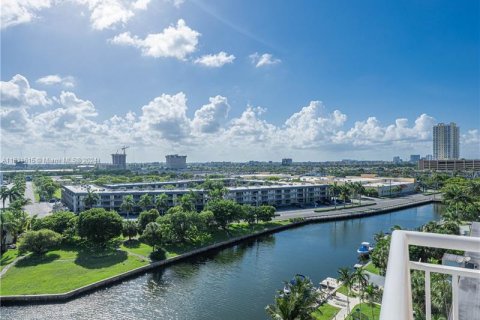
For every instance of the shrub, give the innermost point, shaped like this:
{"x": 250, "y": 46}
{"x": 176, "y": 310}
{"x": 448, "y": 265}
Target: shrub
{"x": 99, "y": 225}
{"x": 158, "y": 255}
{"x": 39, "y": 241}
{"x": 58, "y": 222}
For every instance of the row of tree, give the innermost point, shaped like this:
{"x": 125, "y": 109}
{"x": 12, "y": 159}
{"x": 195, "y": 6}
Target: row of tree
{"x": 45, "y": 187}
{"x": 178, "y": 226}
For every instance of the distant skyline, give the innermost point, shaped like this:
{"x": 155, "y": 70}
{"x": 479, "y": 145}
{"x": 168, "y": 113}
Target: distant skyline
{"x": 237, "y": 80}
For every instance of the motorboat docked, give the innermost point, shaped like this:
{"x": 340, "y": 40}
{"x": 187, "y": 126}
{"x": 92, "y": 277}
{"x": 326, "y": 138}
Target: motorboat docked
{"x": 364, "y": 248}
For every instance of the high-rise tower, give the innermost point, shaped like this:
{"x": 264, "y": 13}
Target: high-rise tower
{"x": 446, "y": 141}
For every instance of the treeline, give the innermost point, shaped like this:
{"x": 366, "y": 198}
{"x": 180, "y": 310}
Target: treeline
{"x": 45, "y": 187}
{"x": 98, "y": 226}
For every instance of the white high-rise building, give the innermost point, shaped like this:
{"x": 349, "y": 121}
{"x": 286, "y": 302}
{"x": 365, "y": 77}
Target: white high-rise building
{"x": 446, "y": 141}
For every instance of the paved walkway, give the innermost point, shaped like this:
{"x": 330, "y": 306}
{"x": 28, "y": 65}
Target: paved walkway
{"x": 380, "y": 204}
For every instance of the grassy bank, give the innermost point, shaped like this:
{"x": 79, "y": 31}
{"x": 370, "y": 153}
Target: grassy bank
{"x": 64, "y": 270}
{"x": 371, "y": 268}
{"x": 365, "y": 312}
{"x": 325, "y": 312}
{"x": 73, "y": 267}
{"x": 8, "y": 258}
{"x": 341, "y": 207}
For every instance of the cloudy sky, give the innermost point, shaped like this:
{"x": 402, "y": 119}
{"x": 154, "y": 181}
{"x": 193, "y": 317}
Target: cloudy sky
{"x": 237, "y": 80}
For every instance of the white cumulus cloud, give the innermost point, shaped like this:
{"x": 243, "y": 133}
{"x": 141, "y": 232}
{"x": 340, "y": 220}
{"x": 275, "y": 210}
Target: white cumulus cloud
{"x": 215, "y": 60}
{"x": 174, "y": 41}
{"x": 68, "y": 121}
{"x": 15, "y": 12}
{"x": 55, "y": 79}
{"x": 211, "y": 117}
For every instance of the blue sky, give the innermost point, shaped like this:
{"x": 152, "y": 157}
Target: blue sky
{"x": 311, "y": 80}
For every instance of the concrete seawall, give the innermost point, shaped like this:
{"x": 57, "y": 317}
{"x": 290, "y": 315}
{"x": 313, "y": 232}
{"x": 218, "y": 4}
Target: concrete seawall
{"x": 63, "y": 297}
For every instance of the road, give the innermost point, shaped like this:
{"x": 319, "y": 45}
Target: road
{"x": 379, "y": 205}
{"x": 36, "y": 208}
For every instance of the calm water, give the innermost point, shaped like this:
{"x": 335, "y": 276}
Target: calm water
{"x": 235, "y": 283}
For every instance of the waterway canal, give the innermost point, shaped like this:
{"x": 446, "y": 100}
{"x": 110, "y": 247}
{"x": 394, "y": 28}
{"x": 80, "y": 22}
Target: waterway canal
{"x": 234, "y": 283}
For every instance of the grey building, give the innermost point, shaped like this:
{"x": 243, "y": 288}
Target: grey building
{"x": 111, "y": 197}
{"x": 287, "y": 162}
{"x": 174, "y": 161}
{"x": 446, "y": 141}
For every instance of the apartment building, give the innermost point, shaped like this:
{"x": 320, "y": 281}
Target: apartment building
{"x": 111, "y": 197}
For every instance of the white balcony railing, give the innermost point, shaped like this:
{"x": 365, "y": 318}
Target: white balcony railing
{"x": 397, "y": 294}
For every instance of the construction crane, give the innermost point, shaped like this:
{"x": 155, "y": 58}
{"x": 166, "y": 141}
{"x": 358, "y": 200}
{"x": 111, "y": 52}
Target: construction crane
{"x": 124, "y": 148}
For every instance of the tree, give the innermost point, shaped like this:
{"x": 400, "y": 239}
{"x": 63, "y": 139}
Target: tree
{"x": 59, "y": 222}
{"x": 146, "y": 217}
{"x": 4, "y": 194}
{"x": 145, "y": 201}
{"x": 299, "y": 303}
{"x": 39, "y": 241}
{"x": 129, "y": 229}
{"x": 250, "y": 214}
{"x": 334, "y": 190}
{"x": 161, "y": 202}
{"x": 346, "y": 277}
{"x": 91, "y": 199}
{"x": 371, "y": 293}
{"x": 207, "y": 219}
{"x": 455, "y": 195}
{"x": 14, "y": 193}
{"x": 361, "y": 277}
{"x": 152, "y": 235}
{"x": 225, "y": 212}
{"x": 99, "y": 225}
{"x": 19, "y": 203}
{"x": 344, "y": 194}
{"x": 127, "y": 204}
{"x": 187, "y": 202}
{"x": 265, "y": 213}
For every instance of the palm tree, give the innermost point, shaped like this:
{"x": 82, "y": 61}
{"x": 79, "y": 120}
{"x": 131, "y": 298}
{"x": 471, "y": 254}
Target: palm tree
{"x": 346, "y": 277}
{"x": 127, "y": 204}
{"x": 90, "y": 199}
{"x": 334, "y": 190}
{"x": 14, "y": 193}
{"x": 298, "y": 303}
{"x": 344, "y": 194}
{"x": 361, "y": 277}
{"x": 371, "y": 294}
{"x": 19, "y": 203}
{"x": 360, "y": 190}
{"x": 187, "y": 202}
{"x": 454, "y": 195}
{"x": 145, "y": 201}
{"x": 161, "y": 202}
{"x": 4, "y": 194}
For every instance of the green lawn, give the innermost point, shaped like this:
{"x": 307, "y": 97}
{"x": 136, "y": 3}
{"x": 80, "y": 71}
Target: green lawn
{"x": 64, "y": 270}
{"x": 348, "y": 206}
{"x": 365, "y": 312}
{"x": 8, "y": 258}
{"x": 343, "y": 290}
{"x": 325, "y": 312}
{"x": 371, "y": 268}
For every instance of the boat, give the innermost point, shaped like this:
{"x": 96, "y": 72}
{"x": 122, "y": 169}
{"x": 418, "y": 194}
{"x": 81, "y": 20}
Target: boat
{"x": 364, "y": 248}
{"x": 286, "y": 288}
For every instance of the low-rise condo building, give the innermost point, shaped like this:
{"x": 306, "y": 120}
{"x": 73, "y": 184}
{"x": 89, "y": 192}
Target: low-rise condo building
{"x": 111, "y": 196}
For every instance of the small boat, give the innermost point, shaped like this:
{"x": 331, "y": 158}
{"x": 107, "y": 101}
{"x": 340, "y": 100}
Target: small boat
{"x": 364, "y": 248}
{"x": 286, "y": 288}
